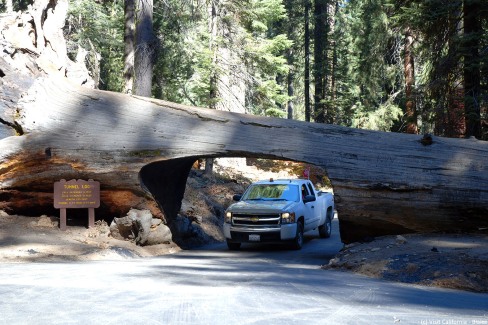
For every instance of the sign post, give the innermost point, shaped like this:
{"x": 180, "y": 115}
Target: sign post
{"x": 76, "y": 194}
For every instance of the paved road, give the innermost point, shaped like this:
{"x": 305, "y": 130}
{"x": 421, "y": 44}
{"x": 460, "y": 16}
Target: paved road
{"x": 215, "y": 286}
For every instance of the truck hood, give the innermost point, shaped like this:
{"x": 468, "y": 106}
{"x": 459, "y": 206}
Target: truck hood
{"x": 260, "y": 206}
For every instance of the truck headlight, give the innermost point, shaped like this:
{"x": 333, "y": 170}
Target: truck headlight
{"x": 288, "y": 217}
{"x": 228, "y": 217}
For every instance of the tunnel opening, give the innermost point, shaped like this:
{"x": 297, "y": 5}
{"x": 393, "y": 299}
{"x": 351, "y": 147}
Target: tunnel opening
{"x": 193, "y": 201}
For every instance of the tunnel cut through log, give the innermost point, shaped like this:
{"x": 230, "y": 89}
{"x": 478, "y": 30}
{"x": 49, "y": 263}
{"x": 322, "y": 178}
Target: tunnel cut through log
{"x": 166, "y": 180}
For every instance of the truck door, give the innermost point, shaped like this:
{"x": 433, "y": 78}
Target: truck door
{"x": 319, "y": 207}
{"x": 312, "y": 213}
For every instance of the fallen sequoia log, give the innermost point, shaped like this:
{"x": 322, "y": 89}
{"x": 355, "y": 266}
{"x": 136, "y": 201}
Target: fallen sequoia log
{"x": 141, "y": 151}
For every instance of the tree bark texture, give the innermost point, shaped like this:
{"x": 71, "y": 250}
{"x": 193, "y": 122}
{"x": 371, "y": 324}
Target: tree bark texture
{"x": 409, "y": 74}
{"x": 129, "y": 35}
{"x": 308, "y": 109}
{"x": 141, "y": 151}
{"x": 472, "y": 76}
{"x": 145, "y": 48}
{"x": 320, "y": 70}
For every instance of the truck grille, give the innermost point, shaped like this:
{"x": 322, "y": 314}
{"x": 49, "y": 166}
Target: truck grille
{"x": 253, "y": 220}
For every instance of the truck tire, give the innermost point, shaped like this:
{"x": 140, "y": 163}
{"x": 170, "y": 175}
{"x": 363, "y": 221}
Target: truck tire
{"x": 233, "y": 246}
{"x": 298, "y": 241}
{"x": 325, "y": 230}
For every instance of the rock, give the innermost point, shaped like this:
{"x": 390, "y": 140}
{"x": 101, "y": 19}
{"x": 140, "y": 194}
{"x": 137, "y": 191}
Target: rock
{"x": 159, "y": 235}
{"x": 140, "y": 226}
{"x": 401, "y": 240}
{"x": 375, "y": 249}
{"x": 143, "y": 222}
{"x": 197, "y": 219}
{"x": 122, "y": 228}
{"x": 155, "y": 222}
{"x": 187, "y": 208}
{"x": 45, "y": 221}
{"x": 335, "y": 262}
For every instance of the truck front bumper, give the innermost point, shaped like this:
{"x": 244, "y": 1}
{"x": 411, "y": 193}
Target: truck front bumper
{"x": 242, "y": 234}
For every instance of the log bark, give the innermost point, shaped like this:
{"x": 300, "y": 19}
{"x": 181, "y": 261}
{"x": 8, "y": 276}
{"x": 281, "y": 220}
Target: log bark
{"x": 141, "y": 151}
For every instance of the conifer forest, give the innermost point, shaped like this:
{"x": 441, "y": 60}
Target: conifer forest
{"x": 414, "y": 66}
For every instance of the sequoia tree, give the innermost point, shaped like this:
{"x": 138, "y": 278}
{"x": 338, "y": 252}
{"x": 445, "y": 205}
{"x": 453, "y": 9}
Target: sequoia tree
{"x": 129, "y": 32}
{"x": 141, "y": 149}
{"x": 145, "y": 48}
{"x": 472, "y": 75}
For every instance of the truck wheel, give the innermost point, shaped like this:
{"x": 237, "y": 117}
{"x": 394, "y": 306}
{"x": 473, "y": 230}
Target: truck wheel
{"x": 233, "y": 246}
{"x": 325, "y": 230}
{"x": 298, "y": 241}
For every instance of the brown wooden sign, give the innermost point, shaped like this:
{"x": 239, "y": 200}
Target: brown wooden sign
{"x": 76, "y": 194}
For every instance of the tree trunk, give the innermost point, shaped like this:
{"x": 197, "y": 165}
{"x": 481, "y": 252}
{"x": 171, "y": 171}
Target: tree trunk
{"x": 307, "y": 62}
{"x": 213, "y": 82}
{"x": 9, "y": 5}
{"x": 333, "y": 72}
{"x": 472, "y": 74}
{"x": 291, "y": 94}
{"x": 290, "y": 58}
{"x": 141, "y": 151}
{"x": 409, "y": 73}
{"x": 129, "y": 34}
{"x": 321, "y": 39}
{"x": 145, "y": 48}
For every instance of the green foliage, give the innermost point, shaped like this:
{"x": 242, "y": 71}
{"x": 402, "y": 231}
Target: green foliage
{"x": 380, "y": 119}
{"x": 190, "y": 56}
{"x": 98, "y": 28}
{"x": 367, "y": 72}
{"x": 258, "y": 15}
{"x": 260, "y": 42}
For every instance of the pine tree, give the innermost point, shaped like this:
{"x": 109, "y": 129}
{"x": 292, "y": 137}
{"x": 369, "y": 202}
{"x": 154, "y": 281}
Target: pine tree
{"x": 367, "y": 73}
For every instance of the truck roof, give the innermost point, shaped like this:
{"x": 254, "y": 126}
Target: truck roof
{"x": 282, "y": 181}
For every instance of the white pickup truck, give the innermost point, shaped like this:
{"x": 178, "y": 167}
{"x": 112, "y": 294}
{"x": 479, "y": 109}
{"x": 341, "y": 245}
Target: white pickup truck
{"x": 278, "y": 211}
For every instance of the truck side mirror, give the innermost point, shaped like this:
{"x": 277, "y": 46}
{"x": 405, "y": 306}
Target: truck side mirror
{"x": 308, "y": 198}
{"x": 237, "y": 197}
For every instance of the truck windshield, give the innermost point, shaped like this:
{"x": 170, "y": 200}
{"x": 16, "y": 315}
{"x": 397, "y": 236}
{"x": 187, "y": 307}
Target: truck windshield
{"x": 275, "y": 192}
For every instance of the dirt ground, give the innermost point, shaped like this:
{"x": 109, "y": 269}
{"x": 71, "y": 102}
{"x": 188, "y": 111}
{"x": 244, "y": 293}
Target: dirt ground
{"x": 39, "y": 239}
{"x": 442, "y": 260}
